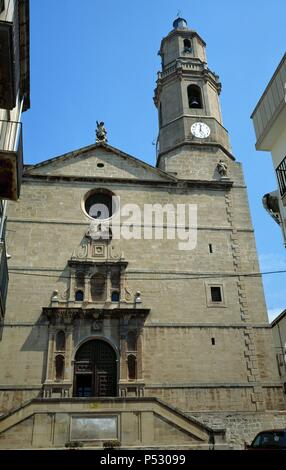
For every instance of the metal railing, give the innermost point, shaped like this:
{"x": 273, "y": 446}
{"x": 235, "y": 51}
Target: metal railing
{"x": 281, "y": 175}
{"x": 4, "y": 278}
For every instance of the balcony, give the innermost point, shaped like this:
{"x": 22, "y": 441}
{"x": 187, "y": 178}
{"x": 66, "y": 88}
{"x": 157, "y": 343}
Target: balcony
{"x": 3, "y": 280}
{"x": 281, "y": 176}
{"x": 269, "y": 115}
{"x": 11, "y": 159}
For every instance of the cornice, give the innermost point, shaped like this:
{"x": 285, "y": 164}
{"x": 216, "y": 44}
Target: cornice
{"x": 178, "y": 183}
{"x": 196, "y": 144}
{"x": 74, "y": 262}
{"x": 69, "y": 314}
{"x": 185, "y": 33}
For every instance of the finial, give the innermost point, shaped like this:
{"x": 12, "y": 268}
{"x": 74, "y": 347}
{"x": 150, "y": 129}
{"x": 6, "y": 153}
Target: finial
{"x": 180, "y": 23}
{"x": 101, "y": 133}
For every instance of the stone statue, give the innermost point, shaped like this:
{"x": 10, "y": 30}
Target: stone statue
{"x": 97, "y": 231}
{"x": 222, "y": 168}
{"x": 55, "y": 296}
{"x": 138, "y": 299}
{"x": 101, "y": 133}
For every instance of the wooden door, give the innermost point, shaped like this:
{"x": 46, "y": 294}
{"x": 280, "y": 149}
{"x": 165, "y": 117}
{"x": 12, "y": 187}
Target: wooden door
{"x": 95, "y": 370}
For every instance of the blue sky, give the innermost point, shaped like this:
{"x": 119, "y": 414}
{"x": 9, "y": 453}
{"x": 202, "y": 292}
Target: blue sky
{"x": 93, "y": 60}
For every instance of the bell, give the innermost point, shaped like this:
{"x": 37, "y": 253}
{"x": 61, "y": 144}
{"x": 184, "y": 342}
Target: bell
{"x": 194, "y": 103}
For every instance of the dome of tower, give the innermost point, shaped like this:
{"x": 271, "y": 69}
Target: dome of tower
{"x": 180, "y": 23}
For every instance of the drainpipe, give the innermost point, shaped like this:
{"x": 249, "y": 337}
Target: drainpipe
{"x": 2, "y": 221}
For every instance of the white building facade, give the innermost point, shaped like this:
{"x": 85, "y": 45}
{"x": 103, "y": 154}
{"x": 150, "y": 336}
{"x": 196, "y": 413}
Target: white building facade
{"x": 269, "y": 119}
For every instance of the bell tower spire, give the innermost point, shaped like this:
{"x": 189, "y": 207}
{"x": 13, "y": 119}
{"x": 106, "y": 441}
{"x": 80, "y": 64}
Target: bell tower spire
{"x": 187, "y": 99}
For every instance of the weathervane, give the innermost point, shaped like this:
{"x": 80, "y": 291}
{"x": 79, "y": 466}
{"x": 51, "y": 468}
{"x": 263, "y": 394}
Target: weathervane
{"x": 179, "y": 13}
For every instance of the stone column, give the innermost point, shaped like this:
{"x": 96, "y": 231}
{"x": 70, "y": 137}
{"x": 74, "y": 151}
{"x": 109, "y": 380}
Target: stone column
{"x": 108, "y": 284}
{"x": 50, "y": 358}
{"x": 68, "y": 354}
{"x": 139, "y": 355}
{"x": 122, "y": 282}
{"x": 86, "y": 287}
{"x": 72, "y": 285}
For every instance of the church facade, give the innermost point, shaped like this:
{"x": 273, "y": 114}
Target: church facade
{"x": 114, "y": 334}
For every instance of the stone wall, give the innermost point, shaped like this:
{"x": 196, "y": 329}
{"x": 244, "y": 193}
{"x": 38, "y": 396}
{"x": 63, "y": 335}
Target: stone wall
{"x": 242, "y": 427}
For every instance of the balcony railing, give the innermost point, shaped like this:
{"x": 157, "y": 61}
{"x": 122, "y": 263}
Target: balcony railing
{"x": 11, "y": 159}
{"x": 281, "y": 175}
{"x": 3, "y": 279}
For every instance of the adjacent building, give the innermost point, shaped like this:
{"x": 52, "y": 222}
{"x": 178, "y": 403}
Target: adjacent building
{"x": 14, "y": 99}
{"x": 279, "y": 335}
{"x": 115, "y": 334}
{"x": 269, "y": 119}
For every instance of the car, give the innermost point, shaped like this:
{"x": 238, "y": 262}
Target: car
{"x": 273, "y": 439}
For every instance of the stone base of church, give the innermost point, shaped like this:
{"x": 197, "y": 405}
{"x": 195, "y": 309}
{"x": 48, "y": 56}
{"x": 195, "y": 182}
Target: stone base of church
{"x": 130, "y": 423}
{"x": 96, "y": 423}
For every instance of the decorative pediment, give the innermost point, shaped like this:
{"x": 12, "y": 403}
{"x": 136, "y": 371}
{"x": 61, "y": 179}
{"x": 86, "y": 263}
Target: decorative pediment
{"x": 95, "y": 279}
{"x": 98, "y": 161}
{"x": 97, "y": 245}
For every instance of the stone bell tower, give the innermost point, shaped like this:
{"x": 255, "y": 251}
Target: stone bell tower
{"x": 187, "y": 99}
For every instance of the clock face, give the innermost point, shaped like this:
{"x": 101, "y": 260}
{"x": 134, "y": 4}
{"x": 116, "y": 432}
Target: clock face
{"x": 200, "y": 130}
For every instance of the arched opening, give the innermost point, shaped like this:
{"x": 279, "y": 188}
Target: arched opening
{"x": 195, "y": 97}
{"x": 132, "y": 367}
{"x": 98, "y": 287}
{"x": 95, "y": 370}
{"x": 60, "y": 341}
{"x": 79, "y": 296}
{"x": 60, "y": 367}
{"x": 115, "y": 297}
{"x": 187, "y": 45}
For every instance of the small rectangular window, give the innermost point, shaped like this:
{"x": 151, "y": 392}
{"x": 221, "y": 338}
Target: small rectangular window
{"x": 213, "y": 341}
{"x": 211, "y": 248}
{"x": 216, "y": 294}
{"x": 2, "y": 5}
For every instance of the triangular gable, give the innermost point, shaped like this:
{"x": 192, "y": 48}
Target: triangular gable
{"x": 98, "y": 160}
